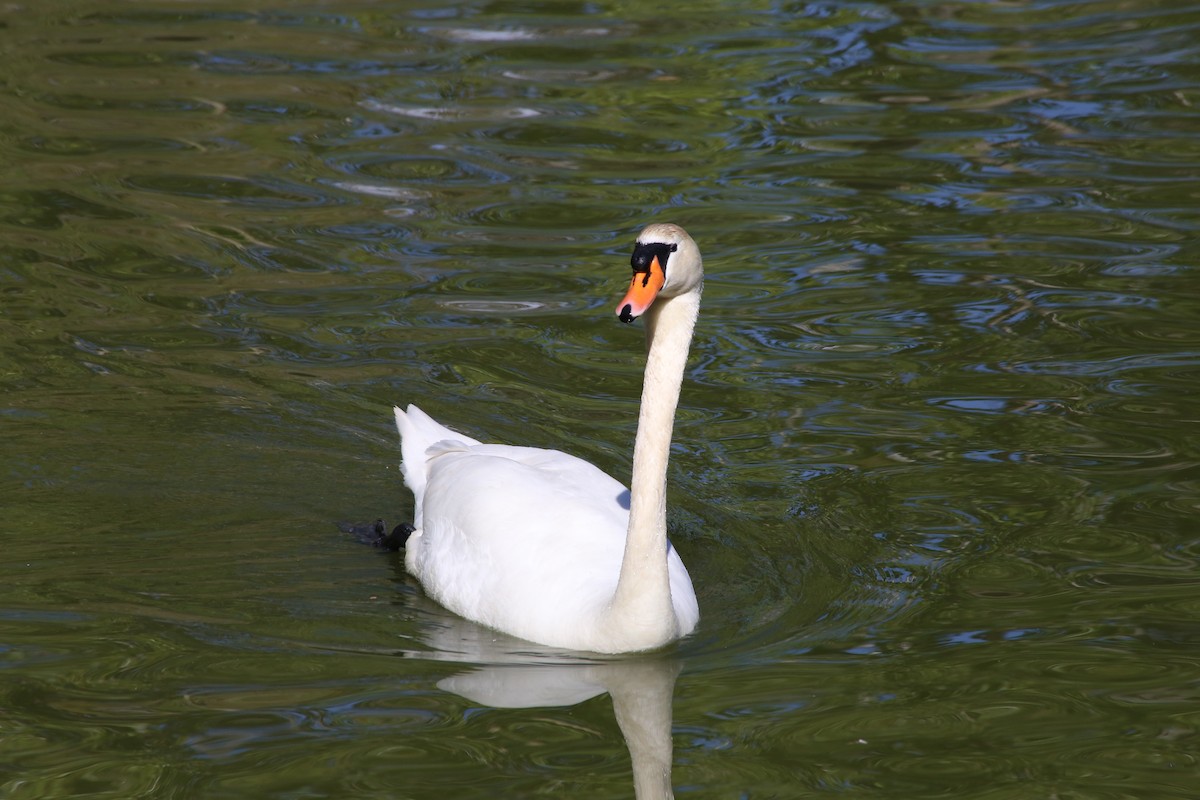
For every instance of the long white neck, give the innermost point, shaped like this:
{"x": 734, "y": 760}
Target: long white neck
{"x": 641, "y": 609}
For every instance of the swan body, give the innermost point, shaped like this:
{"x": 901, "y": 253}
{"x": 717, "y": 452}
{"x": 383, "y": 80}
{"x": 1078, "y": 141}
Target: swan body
{"x": 544, "y": 546}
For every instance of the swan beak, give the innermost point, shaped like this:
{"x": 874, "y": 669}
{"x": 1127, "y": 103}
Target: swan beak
{"x": 644, "y": 287}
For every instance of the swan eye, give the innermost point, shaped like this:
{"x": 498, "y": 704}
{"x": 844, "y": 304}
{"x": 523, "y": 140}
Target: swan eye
{"x": 644, "y": 255}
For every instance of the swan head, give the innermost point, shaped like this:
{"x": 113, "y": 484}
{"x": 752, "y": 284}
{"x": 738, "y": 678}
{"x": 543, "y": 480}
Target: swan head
{"x": 666, "y": 263}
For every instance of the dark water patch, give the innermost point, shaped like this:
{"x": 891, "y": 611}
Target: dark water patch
{"x": 81, "y": 146}
{"x": 242, "y": 191}
{"x": 49, "y": 209}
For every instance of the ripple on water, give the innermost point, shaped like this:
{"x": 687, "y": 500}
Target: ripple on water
{"x": 563, "y": 75}
{"x": 517, "y": 33}
{"x": 385, "y": 189}
{"x": 482, "y": 306}
{"x": 541, "y": 217}
{"x": 400, "y": 169}
{"x": 454, "y": 113}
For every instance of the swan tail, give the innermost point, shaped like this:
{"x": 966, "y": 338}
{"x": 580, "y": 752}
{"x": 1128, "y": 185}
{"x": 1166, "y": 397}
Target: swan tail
{"x": 418, "y": 433}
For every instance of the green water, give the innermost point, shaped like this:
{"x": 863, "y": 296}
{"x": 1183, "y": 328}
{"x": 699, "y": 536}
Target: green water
{"x": 936, "y": 465}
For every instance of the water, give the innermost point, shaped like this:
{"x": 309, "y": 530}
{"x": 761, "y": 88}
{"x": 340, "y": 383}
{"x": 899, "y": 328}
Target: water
{"x": 935, "y": 472}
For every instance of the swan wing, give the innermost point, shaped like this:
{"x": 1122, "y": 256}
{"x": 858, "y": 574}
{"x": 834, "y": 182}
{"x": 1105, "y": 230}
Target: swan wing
{"x": 523, "y": 540}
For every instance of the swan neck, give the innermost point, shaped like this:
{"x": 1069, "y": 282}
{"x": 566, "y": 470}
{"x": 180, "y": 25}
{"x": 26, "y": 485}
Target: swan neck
{"x": 642, "y": 605}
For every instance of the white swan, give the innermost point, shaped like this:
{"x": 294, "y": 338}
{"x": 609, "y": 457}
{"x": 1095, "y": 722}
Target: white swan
{"x": 543, "y": 545}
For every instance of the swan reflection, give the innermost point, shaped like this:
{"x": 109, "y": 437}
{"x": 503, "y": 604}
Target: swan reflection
{"x": 516, "y": 674}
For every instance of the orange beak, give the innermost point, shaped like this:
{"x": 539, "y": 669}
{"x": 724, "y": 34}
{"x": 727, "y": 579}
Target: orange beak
{"x": 644, "y": 287}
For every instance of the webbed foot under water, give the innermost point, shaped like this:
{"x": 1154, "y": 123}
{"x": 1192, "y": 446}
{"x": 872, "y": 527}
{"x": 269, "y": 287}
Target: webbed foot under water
{"x": 375, "y": 534}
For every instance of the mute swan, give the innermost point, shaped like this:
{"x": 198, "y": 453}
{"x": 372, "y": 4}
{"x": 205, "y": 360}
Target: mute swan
{"x": 544, "y": 546}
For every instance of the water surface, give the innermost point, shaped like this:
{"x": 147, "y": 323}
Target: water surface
{"x": 936, "y": 464}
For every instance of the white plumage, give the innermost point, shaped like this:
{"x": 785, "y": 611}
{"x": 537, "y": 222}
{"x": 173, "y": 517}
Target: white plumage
{"x": 542, "y": 545}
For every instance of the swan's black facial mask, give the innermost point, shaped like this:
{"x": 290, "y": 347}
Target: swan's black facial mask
{"x": 644, "y": 254}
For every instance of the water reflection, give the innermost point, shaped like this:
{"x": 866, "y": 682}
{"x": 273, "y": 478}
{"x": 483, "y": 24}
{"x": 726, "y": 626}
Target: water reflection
{"x": 641, "y": 696}
{"x": 517, "y": 674}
